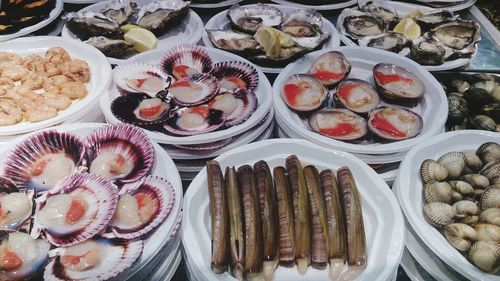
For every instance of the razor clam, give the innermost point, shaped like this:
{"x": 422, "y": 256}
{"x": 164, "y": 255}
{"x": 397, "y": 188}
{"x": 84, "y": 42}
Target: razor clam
{"x": 460, "y": 236}
{"x": 236, "y": 235}
{"x": 336, "y": 224}
{"x": 269, "y": 218}
{"x": 355, "y": 230}
{"x": 301, "y": 212}
{"x": 285, "y": 216}
{"x": 485, "y": 255}
{"x": 219, "y": 214}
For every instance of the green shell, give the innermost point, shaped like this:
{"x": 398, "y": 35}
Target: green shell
{"x": 457, "y": 110}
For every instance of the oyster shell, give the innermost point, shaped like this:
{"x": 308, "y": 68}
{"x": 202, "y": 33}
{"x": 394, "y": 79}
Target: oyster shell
{"x": 161, "y": 15}
{"x": 43, "y": 159}
{"x": 189, "y": 121}
{"x": 434, "y": 18}
{"x": 457, "y": 35}
{"x": 330, "y": 68}
{"x": 394, "y": 123}
{"x": 386, "y": 15}
{"x": 90, "y": 24}
{"x": 137, "y": 77}
{"x": 427, "y": 51}
{"x": 431, "y": 171}
{"x": 302, "y": 23}
{"x": 341, "y": 124}
{"x": 390, "y": 41}
{"x": 194, "y": 90}
{"x": 357, "y": 95}
{"x": 357, "y": 24}
{"x": 120, "y": 11}
{"x": 485, "y": 255}
{"x": 237, "y": 107}
{"x": 454, "y": 162}
{"x": 140, "y": 110}
{"x": 115, "y": 48}
{"x": 439, "y": 214}
{"x": 249, "y": 19}
{"x": 236, "y": 42}
{"x": 235, "y": 75}
{"x": 395, "y": 82}
{"x": 438, "y": 192}
{"x": 186, "y": 60}
{"x": 460, "y": 236}
{"x": 303, "y": 92}
{"x": 15, "y": 207}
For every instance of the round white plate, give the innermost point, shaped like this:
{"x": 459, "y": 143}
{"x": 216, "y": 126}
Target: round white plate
{"x": 224, "y": 3}
{"x": 220, "y": 21}
{"x": 326, "y": 7}
{"x": 433, "y": 108}
{"x": 188, "y": 31}
{"x": 263, "y": 95}
{"x": 32, "y": 28}
{"x": 402, "y": 9}
{"x": 99, "y": 80}
{"x": 383, "y": 221}
{"x": 409, "y": 194}
{"x": 461, "y": 5}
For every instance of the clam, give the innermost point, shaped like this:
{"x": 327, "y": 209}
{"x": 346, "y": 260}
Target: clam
{"x": 454, "y": 162}
{"x": 160, "y": 16}
{"x": 491, "y": 216}
{"x": 235, "y": 213}
{"x": 357, "y": 95}
{"x": 249, "y": 19}
{"x": 303, "y": 93}
{"x": 90, "y": 24}
{"x": 15, "y": 207}
{"x": 235, "y": 42}
{"x": 460, "y": 236}
{"x": 341, "y": 124}
{"x": 235, "y": 75}
{"x": 115, "y": 48}
{"x": 196, "y": 120}
{"x": 390, "y": 41}
{"x": 492, "y": 110}
{"x": 140, "y": 110}
{"x": 477, "y": 181}
{"x": 477, "y": 97}
{"x": 439, "y": 214}
{"x": 457, "y": 110}
{"x": 485, "y": 255}
{"x": 237, "y": 107}
{"x": 194, "y": 90}
{"x": 490, "y": 198}
{"x": 472, "y": 161}
{"x": 465, "y": 208}
{"x": 330, "y": 68}
{"x": 394, "y": 123}
{"x": 186, "y": 60}
{"x": 438, "y": 192}
{"x": 431, "y": 170}
{"x": 463, "y": 188}
{"x": 482, "y": 122}
{"x": 487, "y": 232}
{"x": 395, "y": 82}
{"x": 491, "y": 170}
{"x": 489, "y": 152}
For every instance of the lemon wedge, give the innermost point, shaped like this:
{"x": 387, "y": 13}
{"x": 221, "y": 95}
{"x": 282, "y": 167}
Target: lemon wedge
{"x": 269, "y": 40}
{"x": 286, "y": 41}
{"x": 127, "y": 27}
{"x": 142, "y": 39}
{"x": 408, "y": 28}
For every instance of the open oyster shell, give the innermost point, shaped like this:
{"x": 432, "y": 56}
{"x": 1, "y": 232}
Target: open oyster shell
{"x": 120, "y": 11}
{"x": 249, "y": 19}
{"x": 357, "y": 24}
{"x": 90, "y": 24}
{"x": 235, "y": 42}
{"x": 161, "y": 15}
{"x": 115, "y": 48}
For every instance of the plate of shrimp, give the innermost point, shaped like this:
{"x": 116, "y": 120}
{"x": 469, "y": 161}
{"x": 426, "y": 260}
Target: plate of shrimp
{"x": 45, "y": 80}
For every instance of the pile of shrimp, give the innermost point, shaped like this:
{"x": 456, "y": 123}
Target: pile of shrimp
{"x": 36, "y": 88}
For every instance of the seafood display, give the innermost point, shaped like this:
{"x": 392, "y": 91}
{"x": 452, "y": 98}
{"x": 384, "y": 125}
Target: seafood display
{"x": 350, "y": 109}
{"x": 292, "y": 215}
{"x": 461, "y": 191}
{"x": 119, "y": 29}
{"x": 187, "y": 94}
{"x": 473, "y": 100}
{"x": 38, "y": 87}
{"x": 91, "y": 201}
{"x": 267, "y": 36}
{"x": 430, "y": 38}
{"x": 16, "y": 15}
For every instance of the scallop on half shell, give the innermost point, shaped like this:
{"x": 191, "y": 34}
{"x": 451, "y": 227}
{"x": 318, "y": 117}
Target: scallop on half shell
{"x": 194, "y": 90}
{"x": 237, "y": 107}
{"x": 140, "y": 78}
{"x": 186, "y": 60}
{"x": 188, "y": 121}
{"x": 140, "y": 110}
{"x": 235, "y": 75}
{"x": 15, "y": 206}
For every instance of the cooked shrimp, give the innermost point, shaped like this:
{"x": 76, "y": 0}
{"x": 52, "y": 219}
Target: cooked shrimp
{"x": 40, "y": 113}
{"x": 73, "y": 90}
{"x": 10, "y": 114}
{"x": 10, "y": 57}
{"x": 6, "y": 84}
{"x": 77, "y": 70}
{"x": 15, "y": 72}
{"x": 29, "y": 102}
{"x": 33, "y": 81}
{"x": 57, "y": 55}
{"x": 30, "y": 60}
{"x": 17, "y": 91}
{"x": 59, "y": 102}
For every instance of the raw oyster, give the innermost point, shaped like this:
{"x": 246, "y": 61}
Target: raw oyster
{"x": 140, "y": 110}
{"x": 43, "y": 159}
{"x": 139, "y": 77}
{"x": 249, "y": 19}
{"x": 434, "y": 18}
{"x": 236, "y": 42}
{"x": 394, "y": 123}
{"x": 458, "y": 35}
{"x": 121, "y": 153}
{"x": 302, "y": 23}
{"x": 341, "y": 124}
{"x": 189, "y": 121}
{"x": 115, "y": 48}
{"x": 303, "y": 92}
{"x": 388, "y": 16}
{"x": 357, "y": 95}
{"x": 26, "y": 256}
{"x": 357, "y": 24}
{"x": 161, "y": 15}
{"x": 96, "y": 259}
{"x": 186, "y": 60}
{"x": 119, "y": 11}
{"x": 235, "y": 75}
{"x": 428, "y": 51}
{"x": 390, "y": 41}
{"x": 237, "y": 107}
{"x": 395, "y": 82}
{"x": 194, "y": 90}
{"x": 90, "y": 24}
{"x": 15, "y": 207}
{"x": 330, "y": 68}
{"x": 77, "y": 209}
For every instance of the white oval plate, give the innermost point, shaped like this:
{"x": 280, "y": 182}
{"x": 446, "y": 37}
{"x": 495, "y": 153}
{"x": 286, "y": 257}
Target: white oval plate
{"x": 32, "y": 28}
{"x": 382, "y": 218}
{"x": 326, "y": 7}
{"x": 409, "y": 194}
{"x": 99, "y": 68}
{"x": 403, "y": 9}
{"x": 220, "y": 21}
{"x": 433, "y": 108}
{"x": 263, "y": 93}
{"x": 224, "y": 3}
{"x": 188, "y": 31}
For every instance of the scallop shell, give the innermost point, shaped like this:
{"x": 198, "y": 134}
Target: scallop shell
{"x": 127, "y": 109}
{"x": 187, "y": 55}
{"x": 238, "y": 71}
{"x": 477, "y": 181}
{"x": 438, "y": 192}
{"x": 100, "y": 197}
{"x": 205, "y": 120}
{"x": 7, "y": 185}
{"x": 491, "y": 216}
{"x": 162, "y": 196}
{"x": 21, "y": 160}
{"x": 472, "y": 161}
{"x": 487, "y": 232}
{"x": 439, "y": 214}
{"x": 115, "y": 255}
{"x": 490, "y": 198}
{"x": 431, "y": 170}
{"x": 15, "y": 208}
{"x": 460, "y": 236}
{"x": 125, "y": 146}
{"x": 491, "y": 170}
{"x": 237, "y": 107}
{"x": 137, "y": 77}
{"x": 454, "y": 162}
{"x": 489, "y": 152}
{"x": 194, "y": 90}
{"x": 485, "y": 255}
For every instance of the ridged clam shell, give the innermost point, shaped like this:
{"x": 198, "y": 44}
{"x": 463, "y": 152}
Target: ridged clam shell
{"x": 100, "y": 196}
{"x": 115, "y": 256}
{"x": 125, "y": 108}
{"x": 236, "y": 69}
{"x": 490, "y": 198}
{"x": 207, "y": 120}
{"x": 21, "y": 159}
{"x": 202, "y": 87}
{"x": 439, "y": 214}
{"x": 454, "y": 162}
{"x": 186, "y": 55}
{"x": 491, "y": 170}
{"x": 246, "y": 104}
{"x": 489, "y": 152}
{"x": 438, "y": 192}
{"x": 485, "y": 255}
{"x": 465, "y": 208}
{"x": 491, "y": 215}
{"x": 431, "y": 171}
{"x": 463, "y": 188}
{"x": 460, "y": 236}
{"x": 477, "y": 181}
{"x": 137, "y": 77}
{"x": 472, "y": 161}
{"x": 487, "y": 232}
{"x": 125, "y": 141}
{"x": 163, "y": 196}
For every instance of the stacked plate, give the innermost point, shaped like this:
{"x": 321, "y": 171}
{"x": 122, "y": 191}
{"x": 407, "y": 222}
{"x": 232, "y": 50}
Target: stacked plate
{"x": 427, "y": 245}
{"x": 190, "y": 151}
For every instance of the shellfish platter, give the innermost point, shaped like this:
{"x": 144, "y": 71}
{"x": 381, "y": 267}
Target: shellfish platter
{"x": 319, "y": 5}
{"x": 271, "y": 36}
{"x": 383, "y": 223}
{"x": 336, "y": 118}
{"x": 443, "y": 179}
{"x": 109, "y": 26}
{"x": 197, "y": 95}
{"x": 47, "y": 85}
{"x": 91, "y": 197}
{"x": 438, "y": 40}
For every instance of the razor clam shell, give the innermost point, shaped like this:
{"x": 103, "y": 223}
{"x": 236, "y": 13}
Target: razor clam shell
{"x": 485, "y": 255}
{"x": 454, "y": 162}
{"x": 439, "y": 214}
{"x": 431, "y": 171}
{"x": 236, "y": 234}
{"x": 460, "y": 236}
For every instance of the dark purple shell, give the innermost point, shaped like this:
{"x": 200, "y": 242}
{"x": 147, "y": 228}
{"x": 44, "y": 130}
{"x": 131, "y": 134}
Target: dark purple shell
{"x": 407, "y": 87}
{"x": 213, "y": 120}
{"x": 247, "y": 104}
{"x": 326, "y": 68}
{"x": 408, "y": 123}
{"x": 124, "y": 109}
{"x": 7, "y": 185}
{"x": 241, "y": 70}
{"x": 189, "y": 55}
{"x": 205, "y": 146}
{"x": 322, "y": 120}
{"x": 210, "y": 88}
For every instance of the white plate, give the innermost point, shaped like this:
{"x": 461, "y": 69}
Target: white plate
{"x": 32, "y": 28}
{"x": 224, "y": 3}
{"x": 220, "y": 21}
{"x": 382, "y": 218}
{"x": 326, "y": 7}
{"x": 409, "y": 194}
{"x": 263, "y": 93}
{"x": 162, "y": 163}
{"x": 433, "y": 108}
{"x": 188, "y": 31}
{"x": 80, "y": 1}
{"x": 403, "y": 9}
{"x": 99, "y": 80}
{"x": 461, "y": 5}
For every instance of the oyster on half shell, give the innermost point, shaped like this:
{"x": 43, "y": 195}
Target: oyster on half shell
{"x": 161, "y": 15}
{"x": 249, "y": 19}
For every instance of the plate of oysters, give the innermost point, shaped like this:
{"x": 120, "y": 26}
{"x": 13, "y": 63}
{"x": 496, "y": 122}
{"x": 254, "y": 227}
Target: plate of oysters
{"x": 85, "y": 201}
{"x": 122, "y": 29}
{"x": 271, "y": 36}
{"x": 449, "y": 190}
{"x": 320, "y": 5}
{"x": 437, "y": 39}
